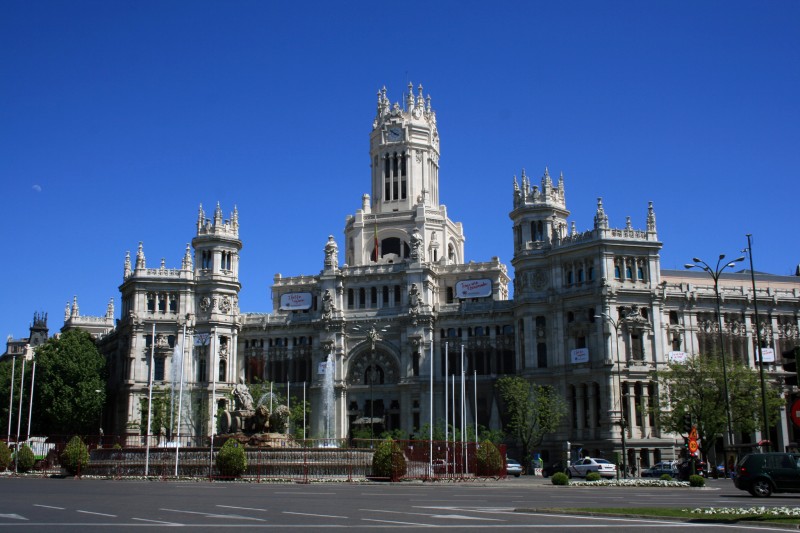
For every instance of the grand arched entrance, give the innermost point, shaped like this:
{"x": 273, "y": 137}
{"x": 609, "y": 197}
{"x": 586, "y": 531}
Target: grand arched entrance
{"x": 373, "y": 398}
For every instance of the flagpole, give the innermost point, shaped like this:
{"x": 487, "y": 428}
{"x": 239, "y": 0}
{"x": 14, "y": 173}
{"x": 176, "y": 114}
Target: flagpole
{"x": 446, "y": 410}
{"x": 180, "y": 397}
{"x": 475, "y": 398}
{"x": 150, "y": 400}
{"x": 454, "y": 422}
{"x": 214, "y": 372}
{"x": 463, "y": 412}
{"x": 11, "y": 397}
{"x": 430, "y": 441}
{"x": 30, "y": 405}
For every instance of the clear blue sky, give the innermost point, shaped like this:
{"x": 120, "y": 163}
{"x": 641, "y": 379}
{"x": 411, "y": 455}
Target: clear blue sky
{"x": 117, "y": 118}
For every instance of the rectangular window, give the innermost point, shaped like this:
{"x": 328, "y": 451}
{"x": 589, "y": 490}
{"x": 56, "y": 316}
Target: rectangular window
{"x": 158, "y": 369}
{"x": 202, "y": 372}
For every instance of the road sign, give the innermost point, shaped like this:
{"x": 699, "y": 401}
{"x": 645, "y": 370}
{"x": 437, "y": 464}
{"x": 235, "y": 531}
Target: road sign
{"x": 693, "y": 433}
{"x": 795, "y": 412}
{"x": 693, "y": 446}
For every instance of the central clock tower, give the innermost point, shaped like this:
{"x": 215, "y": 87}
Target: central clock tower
{"x": 404, "y": 148}
{"x": 402, "y": 220}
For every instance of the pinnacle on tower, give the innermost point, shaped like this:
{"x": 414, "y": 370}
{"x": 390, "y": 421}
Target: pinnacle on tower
{"x": 186, "y": 264}
{"x": 140, "y": 260}
{"x": 651, "y": 218}
{"x": 600, "y": 217}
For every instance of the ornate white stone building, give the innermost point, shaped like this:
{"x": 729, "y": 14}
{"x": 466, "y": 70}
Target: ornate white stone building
{"x": 396, "y": 299}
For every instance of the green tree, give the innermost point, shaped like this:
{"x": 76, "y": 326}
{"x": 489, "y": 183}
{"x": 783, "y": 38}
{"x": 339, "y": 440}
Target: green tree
{"x": 70, "y": 385}
{"x": 696, "y": 387}
{"x": 531, "y": 412}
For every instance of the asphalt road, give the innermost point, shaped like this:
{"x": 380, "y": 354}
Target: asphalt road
{"x": 44, "y": 504}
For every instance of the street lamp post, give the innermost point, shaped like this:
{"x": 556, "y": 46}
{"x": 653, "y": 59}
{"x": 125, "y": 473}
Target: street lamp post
{"x": 715, "y": 274}
{"x": 765, "y": 423}
{"x": 622, "y": 423}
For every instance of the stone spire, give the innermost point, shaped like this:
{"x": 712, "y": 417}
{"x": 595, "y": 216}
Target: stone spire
{"x": 201, "y": 218}
{"x": 75, "y": 313}
{"x": 126, "y": 271}
{"x": 140, "y": 261}
{"x": 600, "y": 217}
{"x": 235, "y": 219}
{"x": 186, "y": 264}
{"x": 651, "y": 218}
{"x": 110, "y": 309}
{"x": 218, "y": 215}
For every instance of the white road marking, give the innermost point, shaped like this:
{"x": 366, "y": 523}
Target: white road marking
{"x": 213, "y": 515}
{"x": 14, "y": 516}
{"x": 98, "y": 514}
{"x": 398, "y": 523}
{"x": 48, "y": 506}
{"x": 159, "y": 522}
{"x": 432, "y": 515}
{"x": 312, "y": 514}
{"x": 242, "y": 508}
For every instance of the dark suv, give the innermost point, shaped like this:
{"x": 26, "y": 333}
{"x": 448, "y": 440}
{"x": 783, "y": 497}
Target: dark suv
{"x": 761, "y": 474}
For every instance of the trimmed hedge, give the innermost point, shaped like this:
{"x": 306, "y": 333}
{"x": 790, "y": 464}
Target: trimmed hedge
{"x": 231, "y": 459}
{"x": 593, "y": 476}
{"x": 75, "y": 456}
{"x": 489, "y": 458}
{"x": 697, "y": 481}
{"x": 25, "y": 459}
{"x": 559, "y": 478}
{"x": 388, "y": 461}
{"x": 5, "y": 455}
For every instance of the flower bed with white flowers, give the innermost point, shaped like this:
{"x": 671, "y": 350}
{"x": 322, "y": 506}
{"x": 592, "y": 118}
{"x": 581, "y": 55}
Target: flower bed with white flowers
{"x": 629, "y": 483}
{"x": 746, "y": 511}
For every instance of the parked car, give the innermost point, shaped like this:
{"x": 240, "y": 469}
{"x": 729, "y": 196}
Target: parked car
{"x": 553, "y": 468}
{"x": 513, "y": 468}
{"x": 659, "y": 469}
{"x": 582, "y": 467}
{"x": 761, "y": 474}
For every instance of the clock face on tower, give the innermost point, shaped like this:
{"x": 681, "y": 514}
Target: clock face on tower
{"x": 394, "y": 134}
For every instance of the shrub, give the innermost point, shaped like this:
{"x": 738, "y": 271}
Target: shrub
{"x": 592, "y": 476}
{"x": 559, "y": 478}
{"x": 25, "y": 459}
{"x": 5, "y": 455}
{"x": 697, "y": 481}
{"x": 231, "y": 459}
{"x": 665, "y": 477}
{"x": 75, "y": 456}
{"x": 388, "y": 461}
{"x": 490, "y": 461}
{"x": 117, "y": 446}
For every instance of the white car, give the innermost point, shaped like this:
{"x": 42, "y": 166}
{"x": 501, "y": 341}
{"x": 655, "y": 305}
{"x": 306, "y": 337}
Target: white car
{"x": 581, "y": 467}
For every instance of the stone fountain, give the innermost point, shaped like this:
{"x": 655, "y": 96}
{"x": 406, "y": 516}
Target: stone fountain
{"x": 254, "y": 425}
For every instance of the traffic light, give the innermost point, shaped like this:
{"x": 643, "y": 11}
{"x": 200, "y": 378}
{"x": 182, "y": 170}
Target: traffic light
{"x": 790, "y": 365}
{"x": 687, "y": 423}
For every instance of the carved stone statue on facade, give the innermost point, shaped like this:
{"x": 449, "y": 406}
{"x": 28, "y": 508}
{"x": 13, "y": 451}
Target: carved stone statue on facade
{"x": 331, "y": 253}
{"x": 327, "y": 305}
{"x": 416, "y": 245}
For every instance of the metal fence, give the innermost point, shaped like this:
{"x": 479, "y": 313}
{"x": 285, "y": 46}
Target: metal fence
{"x": 268, "y": 459}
